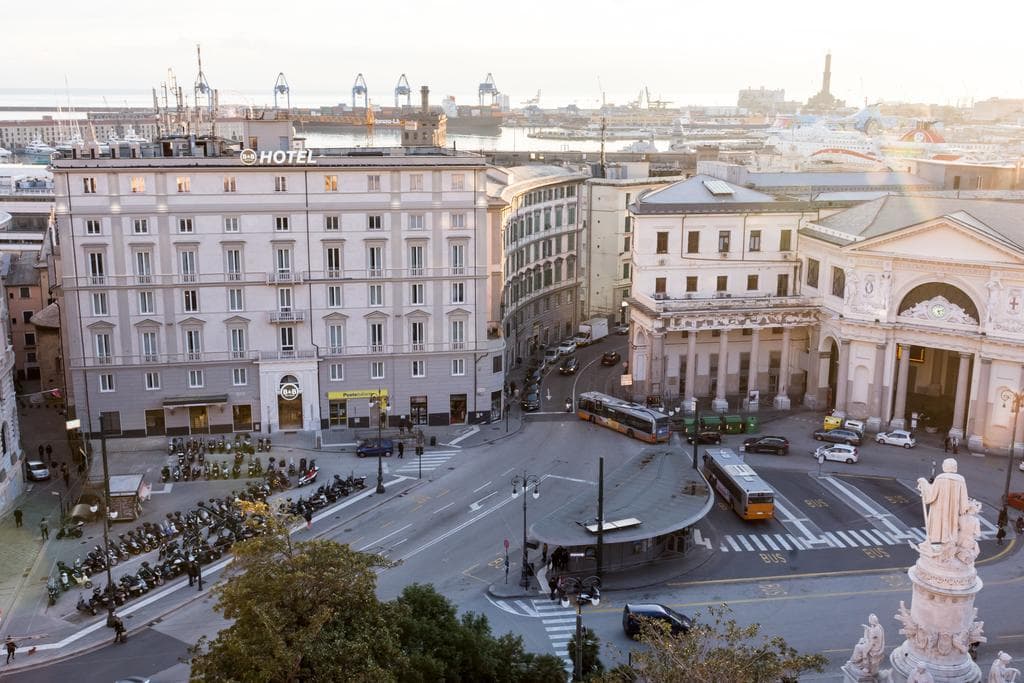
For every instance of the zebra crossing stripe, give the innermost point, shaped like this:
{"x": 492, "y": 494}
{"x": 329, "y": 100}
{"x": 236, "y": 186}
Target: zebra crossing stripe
{"x": 796, "y": 543}
{"x": 782, "y": 542}
{"x": 859, "y": 538}
{"x": 847, "y": 539}
{"x": 770, "y": 542}
{"x": 564, "y": 627}
{"x": 832, "y": 540}
{"x": 733, "y": 543}
{"x": 745, "y": 544}
{"x": 560, "y": 620}
{"x": 760, "y": 546}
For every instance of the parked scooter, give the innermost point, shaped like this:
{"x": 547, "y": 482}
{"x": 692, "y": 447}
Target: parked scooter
{"x": 309, "y": 476}
{"x": 52, "y": 590}
{"x": 84, "y": 606}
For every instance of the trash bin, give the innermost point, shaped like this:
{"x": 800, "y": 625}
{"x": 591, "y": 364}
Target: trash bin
{"x": 831, "y": 422}
{"x": 733, "y": 424}
{"x": 433, "y": 441}
{"x": 753, "y": 424}
{"x": 712, "y": 423}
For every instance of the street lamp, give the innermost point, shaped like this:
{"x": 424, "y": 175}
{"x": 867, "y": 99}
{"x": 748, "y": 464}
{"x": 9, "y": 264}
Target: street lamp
{"x": 1014, "y": 399}
{"x": 581, "y": 590}
{"x": 524, "y": 482}
{"x": 60, "y": 503}
{"x": 382, "y": 410}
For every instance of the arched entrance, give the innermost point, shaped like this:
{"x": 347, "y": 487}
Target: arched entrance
{"x": 289, "y": 403}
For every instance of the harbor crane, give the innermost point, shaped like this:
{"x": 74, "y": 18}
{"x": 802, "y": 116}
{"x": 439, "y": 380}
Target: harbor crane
{"x": 488, "y": 88}
{"x": 359, "y": 89}
{"x": 403, "y": 89}
{"x": 281, "y": 87}
{"x": 202, "y": 86}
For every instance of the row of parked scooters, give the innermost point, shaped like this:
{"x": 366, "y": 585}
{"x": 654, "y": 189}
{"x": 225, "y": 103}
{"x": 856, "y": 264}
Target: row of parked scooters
{"x": 323, "y": 496}
{"x": 198, "y": 448}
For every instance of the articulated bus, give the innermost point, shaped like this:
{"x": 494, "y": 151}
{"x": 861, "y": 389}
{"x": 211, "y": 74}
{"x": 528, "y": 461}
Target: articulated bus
{"x": 739, "y": 485}
{"x": 631, "y": 419}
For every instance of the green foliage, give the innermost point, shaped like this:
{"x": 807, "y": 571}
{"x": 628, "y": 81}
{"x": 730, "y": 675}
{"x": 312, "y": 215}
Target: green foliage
{"x": 716, "y": 649}
{"x": 591, "y": 650}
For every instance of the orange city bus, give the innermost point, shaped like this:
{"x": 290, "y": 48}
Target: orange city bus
{"x": 632, "y": 419}
{"x": 738, "y": 484}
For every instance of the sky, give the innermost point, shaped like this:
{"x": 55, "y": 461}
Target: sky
{"x": 685, "y": 52}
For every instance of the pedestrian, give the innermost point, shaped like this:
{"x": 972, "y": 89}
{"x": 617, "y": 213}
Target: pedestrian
{"x": 1003, "y": 517}
{"x": 49, "y": 452}
{"x": 553, "y": 584}
{"x": 10, "y": 646}
{"x": 956, "y": 445}
{"x": 66, "y": 474}
{"x": 1019, "y": 526}
{"x": 401, "y": 449}
{"x": 1000, "y": 535}
{"x": 945, "y": 445}
{"x": 119, "y": 630}
{"x": 17, "y": 518}
{"x": 544, "y": 555}
{"x": 192, "y": 573}
{"x": 41, "y": 451}
{"x": 308, "y": 515}
{"x": 44, "y": 528}
{"x": 199, "y": 575}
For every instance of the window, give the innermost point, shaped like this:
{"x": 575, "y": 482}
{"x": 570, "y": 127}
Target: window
{"x": 458, "y": 181}
{"x": 235, "y": 299}
{"x": 281, "y": 223}
{"x": 195, "y": 379}
{"x": 26, "y": 316}
{"x": 416, "y": 260}
{"x": 377, "y": 369}
{"x": 570, "y": 242}
{"x": 147, "y": 303}
{"x": 233, "y": 264}
{"x": 286, "y": 341}
{"x": 284, "y": 299}
{"x": 190, "y": 298}
{"x": 755, "y": 241}
{"x": 152, "y": 381}
{"x": 229, "y": 184}
{"x": 416, "y": 182}
{"x": 417, "y": 296}
{"x": 150, "y": 347}
{"x": 376, "y": 337}
{"x": 722, "y": 283}
{"x": 138, "y": 183}
{"x": 280, "y": 183}
{"x": 662, "y": 247}
{"x": 184, "y": 183}
{"x": 332, "y": 257}
{"x": 458, "y": 259}
{"x": 751, "y": 283}
{"x": 626, "y": 243}
{"x": 284, "y": 261}
{"x": 193, "y": 345}
{"x": 691, "y": 283}
{"x": 416, "y": 221}
{"x": 417, "y": 334}
{"x": 659, "y": 285}
{"x": 89, "y": 185}
{"x": 458, "y": 292}
{"x": 723, "y": 241}
{"x": 812, "y": 272}
{"x": 106, "y": 383}
{"x": 374, "y": 222}
{"x": 570, "y": 214}
{"x": 336, "y": 338}
{"x": 93, "y": 227}
{"x": 99, "y": 303}
{"x": 330, "y": 183}
{"x": 693, "y": 242}
{"x": 231, "y": 224}
{"x": 419, "y": 368}
{"x": 140, "y": 226}
{"x": 375, "y": 261}
{"x": 373, "y": 183}
{"x": 187, "y": 265}
{"x": 785, "y": 240}
{"x": 458, "y": 332}
{"x": 782, "y": 284}
{"x": 239, "y": 377}
{"x": 337, "y": 372}
{"x": 102, "y": 343}
{"x": 30, "y": 339}
{"x": 458, "y": 220}
{"x": 237, "y": 336}
{"x": 458, "y": 367}
{"x": 334, "y": 296}
{"x": 185, "y": 225}
{"x": 376, "y": 295}
{"x": 24, "y": 293}
{"x": 625, "y": 271}
{"x": 332, "y": 223}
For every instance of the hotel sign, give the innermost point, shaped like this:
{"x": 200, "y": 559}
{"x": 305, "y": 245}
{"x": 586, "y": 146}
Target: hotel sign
{"x": 279, "y": 157}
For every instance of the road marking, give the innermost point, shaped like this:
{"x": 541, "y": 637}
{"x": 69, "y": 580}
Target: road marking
{"x": 754, "y": 539}
{"x": 559, "y": 620}
{"x": 809, "y": 531}
{"x": 799, "y": 545}
{"x": 509, "y": 471}
{"x": 699, "y": 539}
{"x": 444, "y": 508}
{"x": 383, "y": 538}
{"x": 481, "y": 487}
{"x": 464, "y": 436}
{"x": 734, "y": 544}
{"x": 745, "y": 544}
{"x": 869, "y": 509}
{"x": 578, "y": 481}
{"x": 847, "y": 540}
{"x": 771, "y": 544}
{"x": 475, "y": 505}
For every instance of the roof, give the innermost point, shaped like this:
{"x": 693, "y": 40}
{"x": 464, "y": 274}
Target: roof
{"x": 657, "y": 486}
{"x": 47, "y": 317}
{"x": 533, "y": 172}
{"x": 695, "y": 191}
{"x": 834, "y": 179}
{"x": 22, "y": 271}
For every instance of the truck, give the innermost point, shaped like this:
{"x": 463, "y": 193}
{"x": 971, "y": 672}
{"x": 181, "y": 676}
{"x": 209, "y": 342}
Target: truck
{"x": 591, "y": 331}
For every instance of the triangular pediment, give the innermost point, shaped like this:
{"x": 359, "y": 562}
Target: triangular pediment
{"x": 376, "y": 315}
{"x": 148, "y": 322}
{"x": 191, "y": 321}
{"x": 418, "y": 312}
{"x": 458, "y": 311}
{"x": 100, "y": 324}
{"x": 335, "y": 317}
{"x": 943, "y": 239}
{"x": 237, "y": 320}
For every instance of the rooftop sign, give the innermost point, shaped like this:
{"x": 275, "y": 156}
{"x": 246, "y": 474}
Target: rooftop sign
{"x": 280, "y": 157}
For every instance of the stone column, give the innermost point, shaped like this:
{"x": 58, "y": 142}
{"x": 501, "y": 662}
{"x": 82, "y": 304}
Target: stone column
{"x": 752, "y": 373}
{"x": 781, "y": 401}
{"x": 960, "y": 402}
{"x": 978, "y": 421}
{"x": 691, "y": 371}
{"x": 657, "y": 363}
{"x": 878, "y": 398}
{"x": 720, "y": 404}
{"x": 899, "y": 411}
{"x": 842, "y": 378}
{"x": 1018, "y": 436}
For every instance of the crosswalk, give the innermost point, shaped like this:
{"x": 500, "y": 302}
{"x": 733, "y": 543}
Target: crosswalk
{"x": 431, "y": 461}
{"x": 559, "y": 625}
{"x": 847, "y": 538}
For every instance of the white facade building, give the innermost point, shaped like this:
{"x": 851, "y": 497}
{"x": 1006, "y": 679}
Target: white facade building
{"x": 12, "y": 460}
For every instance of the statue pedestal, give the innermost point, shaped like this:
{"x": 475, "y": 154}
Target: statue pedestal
{"x": 852, "y": 674}
{"x": 939, "y": 621}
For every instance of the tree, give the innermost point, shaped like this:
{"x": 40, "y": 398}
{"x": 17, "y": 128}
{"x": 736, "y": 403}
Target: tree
{"x": 591, "y": 664}
{"x": 716, "y": 649}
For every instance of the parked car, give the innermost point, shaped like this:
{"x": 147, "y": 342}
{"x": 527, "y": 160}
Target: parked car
{"x": 37, "y": 471}
{"x": 531, "y": 402}
{"x": 375, "y": 447}
{"x": 779, "y": 445}
{"x": 838, "y": 436}
{"x": 854, "y": 426}
{"x": 570, "y": 366}
{"x": 622, "y": 329}
{"x": 897, "y": 437}
{"x": 705, "y": 436}
{"x": 839, "y": 452}
{"x": 632, "y": 613}
{"x": 567, "y": 347}
{"x": 551, "y": 355}
{"x": 535, "y": 376}
{"x": 610, "y": 358}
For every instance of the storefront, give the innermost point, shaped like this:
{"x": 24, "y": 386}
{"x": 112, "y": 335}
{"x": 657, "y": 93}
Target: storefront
{"x": 357, "y": 408}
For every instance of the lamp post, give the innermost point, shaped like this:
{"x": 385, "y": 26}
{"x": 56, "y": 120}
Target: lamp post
{"x": 60, "y": 504}
{"x": 382, "y": 409}
{"x": 106, "y": 518}
{"x": 581, "y": 590}
{"x": 524, "y": 481}
{"x": 1014, "y": 399}
{"x": 696, "y": 431}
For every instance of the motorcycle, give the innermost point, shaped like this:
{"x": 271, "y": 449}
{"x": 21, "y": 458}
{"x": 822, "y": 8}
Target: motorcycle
{"x": 84, "y": 606}
{"x": 291, "y": 467}
{"x": 52, "y": 590}
{"x": 75, "y": 574}
{"x": 310, "y": 475}
{"x": 165, "y": 474}
{"x": 69, "y": 531}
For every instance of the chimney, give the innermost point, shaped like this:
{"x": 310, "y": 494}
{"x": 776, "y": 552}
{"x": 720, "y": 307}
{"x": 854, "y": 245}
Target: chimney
{"x": 826, "y": 78}
{"x": 425, "y": 97}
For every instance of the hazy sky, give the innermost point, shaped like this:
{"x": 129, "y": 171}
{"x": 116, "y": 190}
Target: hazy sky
{"x": 688, "y": 52}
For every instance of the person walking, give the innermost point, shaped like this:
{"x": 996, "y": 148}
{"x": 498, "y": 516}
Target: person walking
{"x": 1000, "y": 535}
{"x": 119, "y": 630}
{"x": 66, "y": 474}
{"x": 401, "y": 449}
{"x": 1019, "y": 526}
{"x": 49, "y": 453}
{"x": 553, "y": 584}
{"x": 10, "y": 646}
{"x": 945, "y": 445}
{"x": 308, "y": 516}
{"x": 41, "y": 451}
{"x": 192, "y": 573}
{"x": 17, "y": 518}
{"x": 956, "y": 445}
{"x": 44, "y": 529}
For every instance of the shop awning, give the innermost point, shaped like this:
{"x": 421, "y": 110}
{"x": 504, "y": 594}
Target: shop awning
{"x": 356, "y": 393}
{"x": 187, "y": 401}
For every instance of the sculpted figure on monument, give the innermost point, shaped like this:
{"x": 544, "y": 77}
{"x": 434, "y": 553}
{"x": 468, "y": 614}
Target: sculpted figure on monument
{"x": 1001, "y": 671}
{"x": 969, "y": 533}
{"x": 859, "y": 661}
{"x": 945, "y": 500}
{"x": 920, "y": 675}
{"x": 874, "y": 635}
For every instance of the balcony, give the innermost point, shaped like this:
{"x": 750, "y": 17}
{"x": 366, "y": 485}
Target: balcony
{"x": 284, "y": 277}
{"x": 165, "y": 358}
{"x": 665, "y": 304}
{"x": 286, "y": 354}
{"x": 287, "y": 316}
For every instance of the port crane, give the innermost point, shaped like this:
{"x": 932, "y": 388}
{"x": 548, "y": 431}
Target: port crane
{"x": 359, "y": 89}
{"x": 403, "y": 89}
{"x": 533, "y": 101}
{"x": 281, "y": 87}
{"x": 202, "y": 87}
{"x": 488, "y": 88}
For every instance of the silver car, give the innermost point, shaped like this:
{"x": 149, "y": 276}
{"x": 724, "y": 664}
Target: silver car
{"x": 37, "y": 471}
{"x": 897, "y": 437}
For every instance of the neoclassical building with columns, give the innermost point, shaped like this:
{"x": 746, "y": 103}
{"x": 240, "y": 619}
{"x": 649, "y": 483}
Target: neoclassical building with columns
{"x": 883, "y": 310}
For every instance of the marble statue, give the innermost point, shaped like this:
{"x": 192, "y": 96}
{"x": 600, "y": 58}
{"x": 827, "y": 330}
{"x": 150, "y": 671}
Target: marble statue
{"x": 874, "y": 634}
{"x": 886, "y": 287}
{"x": 920, "y": 674}
{"x": 852, "y": 287}
{"x": 859, "y": 662}
{"x": 969, "y": 532}
{"x": 1001, "y": 672}
{"x": 995, "y": 288}
{"x": 945, "y": 500}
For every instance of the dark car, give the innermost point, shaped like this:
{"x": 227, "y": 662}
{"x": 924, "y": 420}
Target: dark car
{"x": 375, "y": 447}
{"x": 779, "y": 445}
{"x": 838, "y": 436}
{"x": 535, "y": 376}
{"x": 570, "y": 366}
{"x": 610, "y": 358}
{"x": 531, "y": 402}
{"x": 705, "y": 436}
{"x": 632, "y": 613}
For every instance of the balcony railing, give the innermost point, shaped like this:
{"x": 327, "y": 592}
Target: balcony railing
{"x": 284, "y": 277}
{"x": 149, "y": 279}
{"x": 168, "y": 358}
{"x": 663, "y": 303}
{"x": 287, "y": 316}
{"x": 286, "y": 354}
